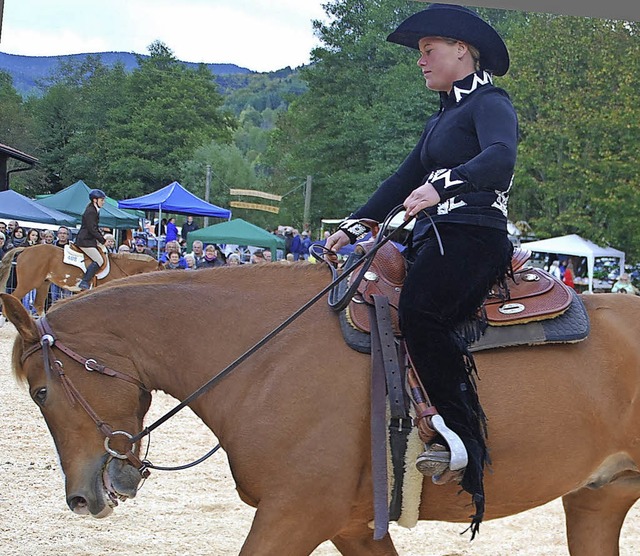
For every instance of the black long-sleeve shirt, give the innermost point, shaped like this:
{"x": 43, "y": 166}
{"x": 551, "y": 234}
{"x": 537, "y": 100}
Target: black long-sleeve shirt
{"x": 467, "y": 151}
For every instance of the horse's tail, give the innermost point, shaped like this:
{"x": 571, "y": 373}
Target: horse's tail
{"x": 5, "y": 266}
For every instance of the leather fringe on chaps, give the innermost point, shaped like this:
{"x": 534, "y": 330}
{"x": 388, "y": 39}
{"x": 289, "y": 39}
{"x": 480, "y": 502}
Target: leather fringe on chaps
{"x": 439, "y": 313}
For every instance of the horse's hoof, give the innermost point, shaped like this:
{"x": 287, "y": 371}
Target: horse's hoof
{"x": 434, "y": 460}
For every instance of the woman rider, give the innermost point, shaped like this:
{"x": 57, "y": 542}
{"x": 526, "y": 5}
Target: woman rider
{"x": 90, "y": 236}
{"x": 456, "y": 183}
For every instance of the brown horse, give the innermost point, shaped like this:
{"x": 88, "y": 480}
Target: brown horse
{"x": 293, "y": 419}
{"x": 39, "y": 266}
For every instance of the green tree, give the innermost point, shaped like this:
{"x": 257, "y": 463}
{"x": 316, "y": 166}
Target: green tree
{"x": 363, "y": 111}
{"x": 127, "y": 132}
{"x": 71, "y": 119}
{"x": 56, "y": 121}
{"x": 229, "y": 169}
{"x": 578, "y": 167}
{"x": 168, "y": 111}
{"x": 18, "y": 132}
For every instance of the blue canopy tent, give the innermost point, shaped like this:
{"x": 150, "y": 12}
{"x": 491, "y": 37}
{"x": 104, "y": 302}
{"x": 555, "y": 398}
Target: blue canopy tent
{"x": 175, "y": 199}
{"x": 15, "y": 206}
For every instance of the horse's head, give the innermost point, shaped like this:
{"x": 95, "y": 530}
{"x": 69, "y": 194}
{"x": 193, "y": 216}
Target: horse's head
{"x": 82, "y": 406}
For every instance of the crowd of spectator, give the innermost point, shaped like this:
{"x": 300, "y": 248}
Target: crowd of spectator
{"x": 296, "y": 244}
{"x": 12, "y": 235}
{"x": 201, "y": 255}
{"x": 174, "y": 253}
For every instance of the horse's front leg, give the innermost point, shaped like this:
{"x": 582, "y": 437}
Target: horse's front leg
{"x": 294, "y": 530}
{"x": 358, "y": 541}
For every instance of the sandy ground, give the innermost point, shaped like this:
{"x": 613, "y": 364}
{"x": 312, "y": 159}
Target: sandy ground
{"x": 196, "y": 511}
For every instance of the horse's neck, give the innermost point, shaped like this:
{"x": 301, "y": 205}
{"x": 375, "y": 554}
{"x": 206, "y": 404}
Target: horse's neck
{"x": 222, "y": 313}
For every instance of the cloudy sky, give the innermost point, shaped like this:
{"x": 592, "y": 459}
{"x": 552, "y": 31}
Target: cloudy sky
{"x": 262, "y": 35}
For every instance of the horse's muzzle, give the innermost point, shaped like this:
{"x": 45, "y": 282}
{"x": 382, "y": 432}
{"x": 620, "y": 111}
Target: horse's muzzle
{"x": 115, "y": 481}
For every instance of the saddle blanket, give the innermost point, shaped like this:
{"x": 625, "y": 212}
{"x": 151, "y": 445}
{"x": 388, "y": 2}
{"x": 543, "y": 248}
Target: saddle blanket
{"x": 76, "y": 258}
{"x": 569, "y": 327}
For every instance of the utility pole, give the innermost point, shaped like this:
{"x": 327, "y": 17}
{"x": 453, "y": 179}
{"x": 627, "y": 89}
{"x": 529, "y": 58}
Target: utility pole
{"x": 207, "y": 191}
{"x": 307, "y": 202}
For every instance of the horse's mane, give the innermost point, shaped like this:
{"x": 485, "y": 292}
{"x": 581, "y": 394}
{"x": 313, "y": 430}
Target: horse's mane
{"x": 132, "y": 256}
{"x": 302, "y": 271}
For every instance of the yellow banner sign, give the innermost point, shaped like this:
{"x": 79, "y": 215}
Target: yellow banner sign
{"x": 252, "y": 193}
{"x": 254, "y": 206}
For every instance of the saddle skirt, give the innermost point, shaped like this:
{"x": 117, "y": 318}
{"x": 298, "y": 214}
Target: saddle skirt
{"x": 74, "y": 256}
{"x": 534, "y": 296}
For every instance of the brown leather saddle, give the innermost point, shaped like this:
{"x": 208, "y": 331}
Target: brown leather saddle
{"x": 533, "y": 295}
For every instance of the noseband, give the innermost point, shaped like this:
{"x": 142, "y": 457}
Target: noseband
{"x": 47, "y": 342}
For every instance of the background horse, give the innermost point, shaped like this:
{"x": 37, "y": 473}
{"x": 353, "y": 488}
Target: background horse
{"x": 39, "y": 266}
{"x": 293, "y": 419}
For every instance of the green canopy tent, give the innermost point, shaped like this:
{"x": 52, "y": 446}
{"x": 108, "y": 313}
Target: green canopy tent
{"x": 237, "y": 232}
{"x": 73, "y": 200}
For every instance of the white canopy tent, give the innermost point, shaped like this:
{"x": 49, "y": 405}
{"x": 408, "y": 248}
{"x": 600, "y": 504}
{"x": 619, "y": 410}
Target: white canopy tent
{"x": 575, "y": 245}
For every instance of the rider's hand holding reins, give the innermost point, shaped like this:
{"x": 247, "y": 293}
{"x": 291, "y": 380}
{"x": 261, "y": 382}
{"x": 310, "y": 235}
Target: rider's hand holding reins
{"x": 334, "y": 243}
{"x": 420, "y": 198}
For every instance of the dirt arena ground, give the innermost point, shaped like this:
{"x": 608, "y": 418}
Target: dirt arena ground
{"x": 196, "y": 512}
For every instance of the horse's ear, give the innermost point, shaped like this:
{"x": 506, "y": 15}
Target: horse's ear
{"x": 15, "y": 312}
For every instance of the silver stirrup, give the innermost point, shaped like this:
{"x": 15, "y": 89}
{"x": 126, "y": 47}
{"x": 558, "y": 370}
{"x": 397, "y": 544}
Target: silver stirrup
{"x": 459, "y": 457}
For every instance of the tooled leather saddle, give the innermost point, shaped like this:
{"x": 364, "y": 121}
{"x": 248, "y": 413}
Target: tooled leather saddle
{"x": 538, "y": 308}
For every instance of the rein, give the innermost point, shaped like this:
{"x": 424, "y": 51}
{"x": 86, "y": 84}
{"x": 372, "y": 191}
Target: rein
{"x": 48, "y": 341}
{"x": 224, "y": 372}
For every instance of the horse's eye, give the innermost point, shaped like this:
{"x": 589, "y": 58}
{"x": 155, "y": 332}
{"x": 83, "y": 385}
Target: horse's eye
{"x": 40, "y": 396}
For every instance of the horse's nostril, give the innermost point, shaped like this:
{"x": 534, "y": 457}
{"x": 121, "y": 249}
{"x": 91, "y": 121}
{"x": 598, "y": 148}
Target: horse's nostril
{"x": 78, "y": 504}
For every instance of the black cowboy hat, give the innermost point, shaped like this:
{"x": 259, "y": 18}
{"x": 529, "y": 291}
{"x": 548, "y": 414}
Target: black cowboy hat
{"x": 459, "y": 23}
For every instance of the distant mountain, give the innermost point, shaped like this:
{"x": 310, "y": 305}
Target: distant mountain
{"x": 28, "y": 70}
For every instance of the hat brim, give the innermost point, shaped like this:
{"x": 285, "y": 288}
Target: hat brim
{"x": 459, "y": 23}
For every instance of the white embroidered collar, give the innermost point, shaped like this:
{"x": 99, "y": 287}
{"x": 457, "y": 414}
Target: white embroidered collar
{"x": 470, "y": 83}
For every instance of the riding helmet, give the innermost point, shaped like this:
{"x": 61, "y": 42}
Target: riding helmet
{"x": 96, "y": 194}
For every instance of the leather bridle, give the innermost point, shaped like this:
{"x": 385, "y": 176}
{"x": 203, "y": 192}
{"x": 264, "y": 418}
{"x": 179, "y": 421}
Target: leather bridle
{"x": 54, "y": 368}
